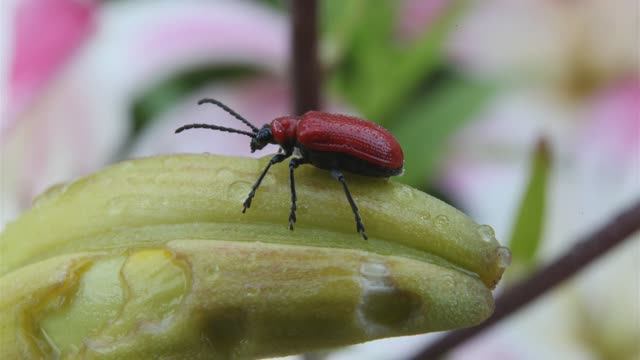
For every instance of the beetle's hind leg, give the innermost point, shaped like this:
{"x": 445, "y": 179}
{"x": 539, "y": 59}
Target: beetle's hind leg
{"x": 337, "y": 174}
{"x": 293, "y": 164}
{"x": 274, "y": 160}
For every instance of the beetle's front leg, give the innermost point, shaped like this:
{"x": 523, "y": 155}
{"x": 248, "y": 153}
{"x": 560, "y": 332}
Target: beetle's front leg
{"x": 293, "y": 164}
{"x": 274, "y": 160}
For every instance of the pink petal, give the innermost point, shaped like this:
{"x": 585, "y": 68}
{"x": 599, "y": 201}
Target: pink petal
{"x": 81, "y": 120}
{"x": 143, "y": 42}
{"x": 47, "y": 33}
{"x": 612, "y": 130}
{"x": 415, "y": 16}
{"x": 546, "y": 40}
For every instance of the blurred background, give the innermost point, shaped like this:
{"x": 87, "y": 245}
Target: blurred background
{"x": 524, "y": 114}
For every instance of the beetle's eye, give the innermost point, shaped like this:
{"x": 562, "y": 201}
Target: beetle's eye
{"x": 264, "y": 135}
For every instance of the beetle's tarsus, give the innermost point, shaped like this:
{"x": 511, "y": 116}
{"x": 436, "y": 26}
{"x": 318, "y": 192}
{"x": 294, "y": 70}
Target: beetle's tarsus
{"x": 247, "y": 202}
{"x": 360, "y": 227}
{"x": 293, "y": 164}
{"x": 292, "y": 221}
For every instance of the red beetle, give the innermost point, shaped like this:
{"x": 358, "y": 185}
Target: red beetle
{"x": 328, "y": 141}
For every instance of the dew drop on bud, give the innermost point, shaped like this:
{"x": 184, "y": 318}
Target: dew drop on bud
{"x": 486, "y": 233}
{"x": 504, "y": 257}
{"x": 442, "y": 221}
{"x": 239, "y": 189}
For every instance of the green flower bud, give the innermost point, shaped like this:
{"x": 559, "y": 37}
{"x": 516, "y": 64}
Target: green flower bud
{"x": 153, "y": 257}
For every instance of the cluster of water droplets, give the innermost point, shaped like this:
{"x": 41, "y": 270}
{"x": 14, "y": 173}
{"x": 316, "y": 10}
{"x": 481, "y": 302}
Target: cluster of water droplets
{"x": 503, "y": 253}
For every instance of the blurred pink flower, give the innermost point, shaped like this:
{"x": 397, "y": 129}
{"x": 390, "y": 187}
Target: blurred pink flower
{"x": 547, "y": 50}
{"x": 415, "y": 16}
{"x": 144, "y": 42}
{"x": 596, "y": 173}
{"x": 549, "y": 42}
{"x": 46, "y": 34}
{"x": 612, "y": 128}
{"x": 79, "y": 121}
{"x": 607, "y": 175}
{"x": 490, "y": 157}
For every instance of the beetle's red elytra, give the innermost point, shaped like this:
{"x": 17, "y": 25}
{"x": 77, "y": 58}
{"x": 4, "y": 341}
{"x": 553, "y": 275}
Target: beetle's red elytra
{"x": 328, "y": 141}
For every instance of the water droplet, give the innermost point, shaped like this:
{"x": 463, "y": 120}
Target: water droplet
{"x": 239, "y": 189}
{"x": 106, "y": 181}
{"x": 126, "y": 165}
{"x": 127, "y": 203}
{"x": 162, "y": 179}
{"x": 486, "y": 233}
{"x": 51, "y": 193}
{"x": 251, "y": 290}
{"x": 449, "y": 280}
{"x": 214, "y": 272}
{"x": 302, "y": 208}
{"x": 114, "y": 207}
{"x": 442, "y": 221}
{"x": 136, "y": 180}
{"x": 373, "y": 270}
{"x": 504, "y": 257}
{"x": 404, "y": 192}
{"x": 172, "y": 162}
{"x": 224, "y": 173}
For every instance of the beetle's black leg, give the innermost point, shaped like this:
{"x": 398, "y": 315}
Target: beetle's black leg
{"x": 294, "y": 163}
{"x": 337, "y": 174}
{"x": 274, "y": 160}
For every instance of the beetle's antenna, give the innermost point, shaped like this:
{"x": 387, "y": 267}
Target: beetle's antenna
{"x": 213, "y": 127}
{"x": 228, "y": 109}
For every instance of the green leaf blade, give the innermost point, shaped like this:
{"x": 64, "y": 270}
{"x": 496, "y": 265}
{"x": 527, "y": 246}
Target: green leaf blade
{"x": 528, "y": 228}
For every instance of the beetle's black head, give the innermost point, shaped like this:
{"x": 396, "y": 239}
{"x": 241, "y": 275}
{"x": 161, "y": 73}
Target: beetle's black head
{"x": 263, "y": 137}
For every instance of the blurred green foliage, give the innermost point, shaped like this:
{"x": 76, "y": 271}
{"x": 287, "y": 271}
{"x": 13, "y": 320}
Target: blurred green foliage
{"x": 424, "y": 128}
{"x": 400, "y": 85}
{"x": 375, "y": 71}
